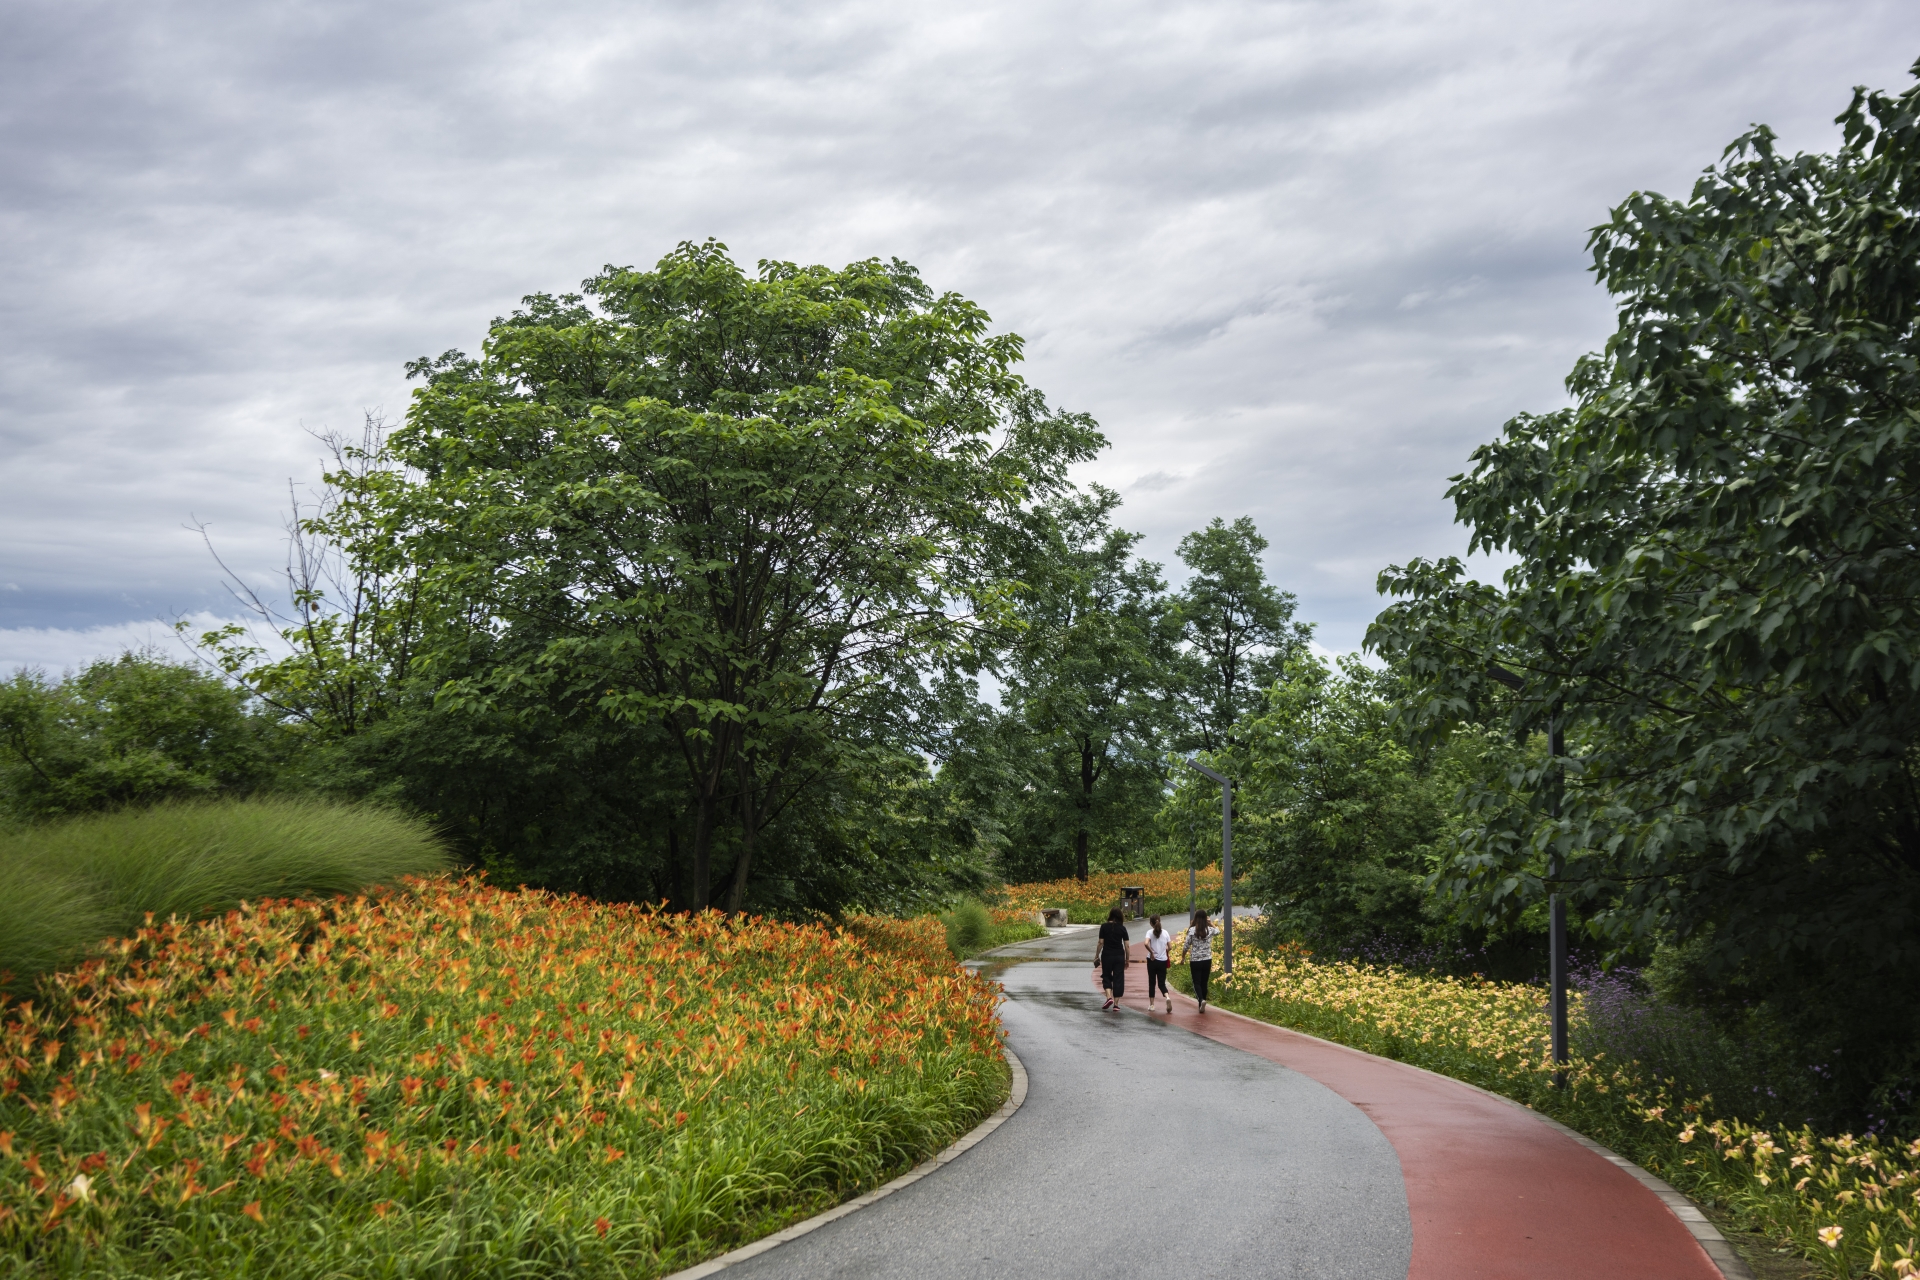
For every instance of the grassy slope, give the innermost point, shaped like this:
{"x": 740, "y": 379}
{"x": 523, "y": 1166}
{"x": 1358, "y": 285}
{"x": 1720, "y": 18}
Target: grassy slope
{"x": 1000, "y": 935}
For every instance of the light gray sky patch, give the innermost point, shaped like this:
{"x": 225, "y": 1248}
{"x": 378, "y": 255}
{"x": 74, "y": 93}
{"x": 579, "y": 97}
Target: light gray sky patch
{"x": 1298, "y": 258}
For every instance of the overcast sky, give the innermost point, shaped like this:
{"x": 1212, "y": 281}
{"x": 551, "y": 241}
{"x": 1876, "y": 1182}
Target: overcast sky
{"x": 1297, "y": 258}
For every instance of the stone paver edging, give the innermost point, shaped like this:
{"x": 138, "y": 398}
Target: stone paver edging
{"x": 1016, "y": 1096}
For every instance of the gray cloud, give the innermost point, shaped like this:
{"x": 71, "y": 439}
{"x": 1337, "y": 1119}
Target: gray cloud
{"x": 1297, "y": 257}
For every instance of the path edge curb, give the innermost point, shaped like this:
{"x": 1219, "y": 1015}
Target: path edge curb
{"x": 1717, "y": 1247}
{"x": 1016, "y": 1095}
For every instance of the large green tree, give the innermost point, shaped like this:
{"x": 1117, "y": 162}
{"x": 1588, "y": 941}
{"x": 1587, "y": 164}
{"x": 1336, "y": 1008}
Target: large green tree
{"x": 1343, "y": 819}
{"x": 1716, "y": 571}
{"x": 733, "y": 520}
{"x": 1087, "y": 682}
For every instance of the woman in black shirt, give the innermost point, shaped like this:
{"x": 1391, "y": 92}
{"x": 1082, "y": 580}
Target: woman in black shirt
{"x": 1110, "y": 958}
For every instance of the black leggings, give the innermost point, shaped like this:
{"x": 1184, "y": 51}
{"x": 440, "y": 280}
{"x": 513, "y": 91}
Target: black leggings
{"x": 1156, "y": 977}
{"x": 1201, "y": 971}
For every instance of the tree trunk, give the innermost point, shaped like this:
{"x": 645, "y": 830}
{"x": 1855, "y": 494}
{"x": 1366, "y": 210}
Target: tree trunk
{"x": 1086, "y": 811}
{"x": 703, "y": 823}
{"x": 676, "y": 874}
{"x": 702, "y": 851}
{"x": 749, "y": 821}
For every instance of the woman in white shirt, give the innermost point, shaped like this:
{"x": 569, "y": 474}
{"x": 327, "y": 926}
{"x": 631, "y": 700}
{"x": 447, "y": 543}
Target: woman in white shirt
{"x": 1199, "y": 955}
{"x": 1159, "y": 942}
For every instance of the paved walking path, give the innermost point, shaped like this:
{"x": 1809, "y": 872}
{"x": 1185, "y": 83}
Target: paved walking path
{"x": 1241, "y": 1151}
{"x": 1492, "y": 1190}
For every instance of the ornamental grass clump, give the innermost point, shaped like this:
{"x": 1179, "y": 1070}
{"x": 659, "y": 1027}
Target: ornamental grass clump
{"x": 968, "y": 927}
{"x": 1849, "y": 1202}
{"x": 65, "y": 886}
{"x": 450, "y": 1078}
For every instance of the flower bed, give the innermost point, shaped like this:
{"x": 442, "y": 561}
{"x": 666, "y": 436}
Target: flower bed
{"x": 460, "y": 1079}
{"x": 1088, "y": 901}
{"x": 1848, "y": 1202}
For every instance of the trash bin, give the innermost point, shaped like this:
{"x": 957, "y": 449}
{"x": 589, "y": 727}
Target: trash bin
{"x": 1134, "y": 900}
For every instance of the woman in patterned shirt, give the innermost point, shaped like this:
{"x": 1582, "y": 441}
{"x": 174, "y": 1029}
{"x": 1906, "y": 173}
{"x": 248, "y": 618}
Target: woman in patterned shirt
{"x": 1198, "y": 954}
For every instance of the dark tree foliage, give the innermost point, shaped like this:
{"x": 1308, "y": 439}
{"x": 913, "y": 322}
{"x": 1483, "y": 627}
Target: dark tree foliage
{"x": 1087, "y": 680}
{"x": 130, "y": 731}
{"x": 1237, "y": 630}
{"x": 1718, "y": 565}
{"x": 671, "y": 558}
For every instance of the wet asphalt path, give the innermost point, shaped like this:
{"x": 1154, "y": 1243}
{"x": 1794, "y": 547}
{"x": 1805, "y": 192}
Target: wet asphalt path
{"x": 1140, "y": 1149}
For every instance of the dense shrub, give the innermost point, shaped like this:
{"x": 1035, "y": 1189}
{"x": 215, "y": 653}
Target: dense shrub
{"x": 133, "y": 730}
{"x": 968, "y": 927}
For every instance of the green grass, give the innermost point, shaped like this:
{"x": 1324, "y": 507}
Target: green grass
{"x": 1013, "y": 931}
{"x": 971, "y": 930}
{"x": 66, "y": 886}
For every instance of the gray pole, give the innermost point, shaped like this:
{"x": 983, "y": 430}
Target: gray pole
{"x": 1226, "y": 865}
{"x": 1193, "y": 858}
{"x": 1556, "y": 905}
{"x": 1226, "y": 875}
{"x": 1557, "y": 919}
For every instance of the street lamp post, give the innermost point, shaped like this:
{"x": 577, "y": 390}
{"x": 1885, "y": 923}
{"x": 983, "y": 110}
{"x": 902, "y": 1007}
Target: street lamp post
{"x": 1557, "y": 917}
{"x": 1193, "y": 860}
{"x": 1556, "y": 904}
{"x": 1226, "y": 864}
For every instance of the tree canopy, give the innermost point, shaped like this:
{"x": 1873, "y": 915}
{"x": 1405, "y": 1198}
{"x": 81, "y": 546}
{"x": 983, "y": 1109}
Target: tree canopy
{"x": 1091, "y": 677}
{"x": 1236, "y": 627}
{"x": 719, "y": 530}
{"x": 1344, "y": 819}
{"x": 128, "y": 731}
{"x": 1717, "y": 560}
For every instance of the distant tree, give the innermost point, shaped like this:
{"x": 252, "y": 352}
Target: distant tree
{"x": 129, "y": 731}
{"x": 1716, "y": 572}
{"x": 1088, "y": 678}
{"x": 1237, "y": 627}
{"x": 1343, "y": 819}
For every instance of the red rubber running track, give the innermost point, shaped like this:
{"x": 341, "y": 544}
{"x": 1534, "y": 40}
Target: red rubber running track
{"x": 1494, "y": 1193}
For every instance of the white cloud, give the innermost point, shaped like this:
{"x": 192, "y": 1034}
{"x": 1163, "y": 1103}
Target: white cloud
{"x": 1299, "y": 256}
{"x": 57, "y": 650}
